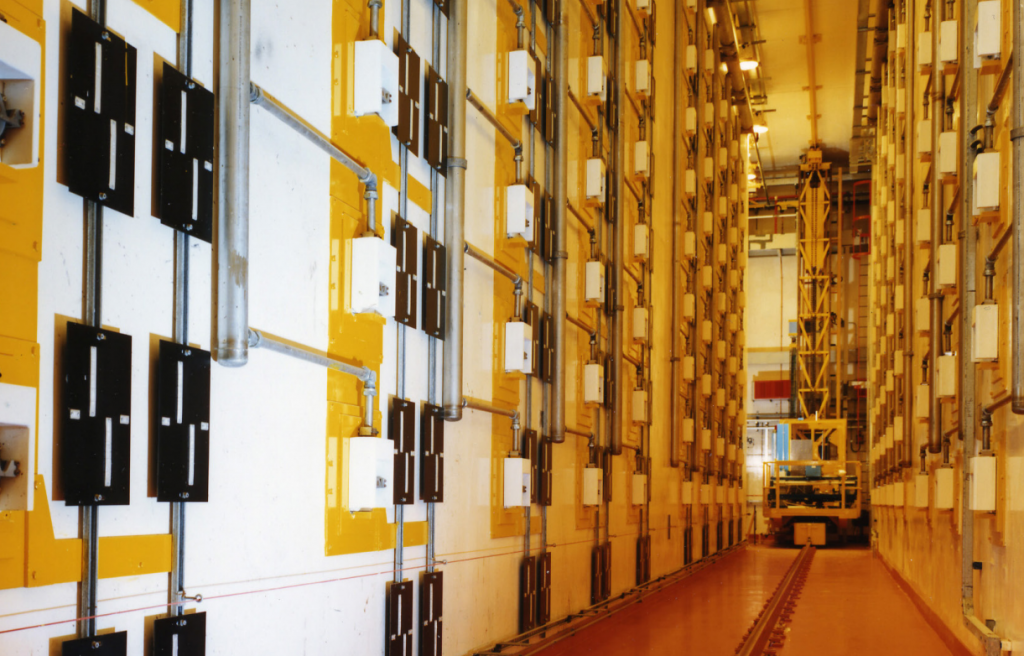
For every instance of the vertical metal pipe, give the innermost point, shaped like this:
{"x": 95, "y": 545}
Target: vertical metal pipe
{"x": 560, "y": 201}
{"x": 435, "y": 41}
{"x": 619, "y": 236}
{"x": 232, "y": 346}
{"x": 1017, "y": 135}
{"x": 679, "y": 54}
{"x": 935, "y": 185}
{"x": 455, "y": 205}
{"x": 374, "y": 6}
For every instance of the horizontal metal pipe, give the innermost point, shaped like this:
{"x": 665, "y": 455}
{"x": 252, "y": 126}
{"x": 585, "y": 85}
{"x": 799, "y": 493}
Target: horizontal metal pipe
{"x": 576, "y": 431}
{"x": 475, "y": 101}
{"x": 579, "y": 324}
{"x": 490, "y": 262}
{"x": 580, "y": 217}
{"x": 484, "y": 406}
{"x": 260, "y": 339}
{"x": 583, "y": 112}
{"x": 1001, "y": 86}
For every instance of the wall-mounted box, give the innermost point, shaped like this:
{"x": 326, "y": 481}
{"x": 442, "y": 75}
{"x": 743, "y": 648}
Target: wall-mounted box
{"x": 706, "y": 275}
{"x": 897, "y": 428}
{"x": 719, "y": 447}
{"x": 709, "y": 60}
{"x": 709, "y": 169}
{"x": 985, "y": 322}
{"x": 596, "y": 77}
{"x": 988, "y": 33}
{"x": 641, "y": 327}
{"x": 639, "y": 489}
{"x": 593, "y": 292}
{"x": 689, "y": 244}
{"x": 20, "y": 71}
{"x": 719, "y": 494}
{"x": 690, "y": 185}
{"x": 593, "y": 384}
{"x": 732, "y": 367}
{"x": 899, "y": 497}
{"x": 949, "y": 45}
{"x": 945, "y": 376}
{"x": 376, "y": 81}
{"x": 689, "y": 307}
{"x": 691, "y": 59}
{"x": 724, "y": 112}
{"x": 641, "y": 241}
{"x": 923, "y": 232}
{"x": 923, "y": 315}
{"x": 17, "y": 443}
{"x": 986, "y": 182}
{"x": 705, "y": 385}
{"x": 723, "y": 208}
{"x": 720, "y": 350}
{"x": 688, "y": 433}
{"x": 733, "y": 322}
{"x": 516, "y": 482}
{"x": 518, "y": 347}
{"x": 641, "y": 158}
{"x": 730, "y": 452}
{"x": 373, "y": 289}
{"x": 901, "y": 36}
{"x": 705, "y": 439}
{"x": 704, "y": 494}
{"x": 522, "y": 78}
{"x": 922, "y": 400}
{"x": 519, "y": 208}
{"x": 924, "y": 50}
{"x": 946, "y": 267}
{"x": 593, "y": 486}
{"x": 708, "y": 224}
{"x": 921, "y": 484}
{"x": 944, "y": 488}
{"x": 705, "y": 331}
{"x": 948, "y": 153}
{"x": 370, "y": 473}
{"x": 595, "y": 179}
{"x": 691, "y": 120}
{"x": 924, "y": 136}
{"x": 983, "y": 483}
{"x": 642, "y": 76}
{"x": 687, "y": 493}
{"x": 689, "y": 368}
{"x": 901, "y": 108}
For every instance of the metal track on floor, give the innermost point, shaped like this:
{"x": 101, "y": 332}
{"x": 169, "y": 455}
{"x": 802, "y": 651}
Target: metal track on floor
{"x": 768, "y": 633}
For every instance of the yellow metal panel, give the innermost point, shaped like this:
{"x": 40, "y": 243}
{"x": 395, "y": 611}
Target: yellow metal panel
{"x": 168, "y": 11}
{"x": 585, "y": 515}
{"x": 49, "y": 560}
{"x": 131, "y": 555}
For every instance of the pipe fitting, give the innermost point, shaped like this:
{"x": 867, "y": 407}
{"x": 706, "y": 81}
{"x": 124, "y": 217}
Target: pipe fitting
{"x": 375, "y": 6}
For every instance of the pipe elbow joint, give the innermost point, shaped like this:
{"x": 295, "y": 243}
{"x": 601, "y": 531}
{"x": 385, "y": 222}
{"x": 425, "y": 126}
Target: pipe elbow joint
{"x": 255, "y": 93}
{"x": 370, "y": 182}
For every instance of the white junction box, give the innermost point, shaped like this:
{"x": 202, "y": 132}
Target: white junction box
{"x": 709, "y": 169}
{"x": 921, "y": 490}
{"x": 944, "y": 488}
{"x": 921, "y": 401}
{"x": 517, "y": 482}
{"x": 719, "y": 494}
{"x": 522, "y": 78}
{"x": 705, "y": 494}
{"x": 690, "y": 243}
{"x": 708, "y": 225}
{"x": 719, "y": 447}
{"x": 519, "y": 206}
{"x": 642, "y": 77}
{"x": 688, "y": 429}
{"x": 709, "y": 60}
{"x": 20, "y": 71}
{"x": 924, "y": 136}
{"x": 593, "y": 384}
{"x": 923, "y": 234}
{"x": 949, "y": 45}
{"x": 593, "y": 486}
{"x": 519, "y": 347}
{"x": 687, "y": 493}
{"x": 947, "y": 153}
{"x": 593, "y": 293}
{"x": 595, "y": 77}
{"x": 370, "y": 473}
{"x": 641, "y": 241}
{"x": 691, "y": 120}
{"x": 691, "y": 59}
{"x": 986, "y": 182}
{"x": 376, "y": 81}
{"x": 705, "y": 439}
{"x": 924, "y": 49}
{"x": 641, "y": 158}
{"x": 373, "y": 289}
{"x": 690, "y": 186}
{"x": 983, "y": 483}
{"x": 639, "y": 409}
{"x": 639, "y": 489}
{"x": 922, "y": 315}
{"x": 946, "y": 276}
{"x": 988, "y": 32}
{"x": 641, "y": 325}
{"x": 985, "y": 322}
{"x": 689, "y": 367}
{"x": 595, "y": 179}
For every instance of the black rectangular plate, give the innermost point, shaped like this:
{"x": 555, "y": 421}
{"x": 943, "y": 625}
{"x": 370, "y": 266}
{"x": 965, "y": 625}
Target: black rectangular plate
{"x": 405, "y": 239}
{"x": 108, "y": 644}
{"x": 436, "y": 137}
{"x": 409, "y": 72}
{"x": 543, "y": 588}
{"x": 550, "y": 116}
{"x": 177, "y": 436}
{"x": 90, "y": 132}
{"x": 402, "y": 430}
{"x": 528, "y": 594}
{"x": 442, "y": 5}
{"x": 544, "y": 476}
{"x": 398, "y": 641}
{"x": 84, "y": 439}
{"x": 191, "y": 632}
{"x": 432, "y": 448}
{"x": 431, "y": 613}
{"x": 183, "y": 207}
{"x": 435, "y": 284}
{"x": 530, "y": 453}
{"x": 531, "y": 315}
{"x": 547, "y": 348}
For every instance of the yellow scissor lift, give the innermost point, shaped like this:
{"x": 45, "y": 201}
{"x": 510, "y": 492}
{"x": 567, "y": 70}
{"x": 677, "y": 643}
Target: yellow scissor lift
{"x": 819, "y": 486}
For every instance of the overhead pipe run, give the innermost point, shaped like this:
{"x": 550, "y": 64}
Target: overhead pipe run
{"x": 679, "y": 93}
{"x": 516, "y": 144}
{"x": 455, "y": 212}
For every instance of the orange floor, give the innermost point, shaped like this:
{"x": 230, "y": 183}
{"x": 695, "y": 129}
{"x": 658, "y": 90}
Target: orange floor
{"x": 850, "y": 605}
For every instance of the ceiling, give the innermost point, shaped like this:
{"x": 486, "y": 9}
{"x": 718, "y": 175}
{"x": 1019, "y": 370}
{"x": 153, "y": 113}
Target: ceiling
{"x": 772, "y": 32}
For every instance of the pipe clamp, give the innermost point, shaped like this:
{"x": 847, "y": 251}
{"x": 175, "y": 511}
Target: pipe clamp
{"x": 456, "y": 163}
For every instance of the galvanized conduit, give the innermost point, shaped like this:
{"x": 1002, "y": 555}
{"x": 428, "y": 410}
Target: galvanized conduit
{"x": 679, "y": 92}
{"x": 484, "y": 406}
{"x": 260, "y": 339}
{"x": 455, "y": 206}
{"x": 516, "y": 144}
{"x": 500, "y": 268}
{"x": 619, "y": 235}
{"x": 1017, "y": 136}
{"x": 935, "y": 184}
{"x": 556, "y": 429}
{"x": 878, "y": 57}
{"x": 232, "y": 345}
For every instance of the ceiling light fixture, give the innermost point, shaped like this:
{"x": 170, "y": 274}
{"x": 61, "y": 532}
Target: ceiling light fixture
{"x": 760, "y": 129}
{"x": 751, "y": 176}
{"x": 748, "y": 64}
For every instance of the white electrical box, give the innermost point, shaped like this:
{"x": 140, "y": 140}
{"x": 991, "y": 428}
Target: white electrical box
{"x": 723, "y": 208}
{"x": 924, "y": 226}
{"x": 691, "y": 59}
{"x": 373, "y": 287}
{"x": 709, "y": 169}
{"x": 689, "y": 368}
{"x": 518, "y": 347}
{"x": 983, "y": 483}
{"x": 689, "y": 244}
{"x": 689, "y": 307}
{"x": 705, "y": 439}
{"x": 641, "y": 241}
{"x": 641, "y": 158}
{"x": 986, "y": 182}
{"x": 593, "y": 293}
{"x": 949, "y": 45}
{"x": 593, "y": 384}
{"x": 730, "y": 452}
{"x": 901, "y": 36}
{"x": 945, "y": 274}
{"x": 20, "y": 71}
{"x": 921, "y": 490}
{"x": 945, "y": 377}
{"x": 593, "y": 486}
{"x": 642, "y": 79}
{"x": 989, "y": 30}
{"x": 370, "y": 473}
{"x": 724, "y": 112}
{"x": 522, "y": 78}
{"x": 720, "y": 397}
{"x": 719, "y": 447}
{"x": 947, "y": 153}
{"x": 944, "y": 488}
{"x": 517, "y": 482}
{"x": 639, "y": 489}
{"x": 709, "y": 60}
{"x": 719, "y": 494}
{"x": 924, "y": 49}
{"x": 985, "y": 322}
{"x": 519, "y": 212}
{"x": 687, "y": 493}
{"x": 691, "y": 120}
{"x": 922, "y": 315}
{"x": 705, "y": 494}
{"x": 720, "y": 350}
{"x": 924, "y": 136}
{"x": 639, "y": 406}
{"x": 376, "y": 81}
{"x": 595, "y": 179}
{"x": 705, "y": 331}
{"x": 690, "y": 187}
{"x": 641, "y": 327}
{"x": 17, "y": 441}
{"x": 922, "y": 400}
{"x": 595, "y": 77}
{"x": 687, "y": 435}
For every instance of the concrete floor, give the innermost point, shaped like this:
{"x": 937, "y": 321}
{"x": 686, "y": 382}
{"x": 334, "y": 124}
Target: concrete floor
{"x": 850, "y": 605}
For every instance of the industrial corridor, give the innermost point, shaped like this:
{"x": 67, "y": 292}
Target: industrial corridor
{"x": 511, "y": 327}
